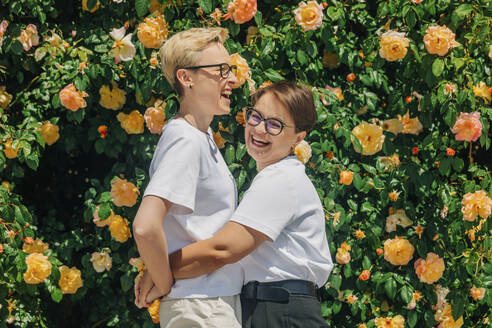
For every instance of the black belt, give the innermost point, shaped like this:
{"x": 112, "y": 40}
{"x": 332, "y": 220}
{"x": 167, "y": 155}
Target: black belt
{"x": 277, "y": 291}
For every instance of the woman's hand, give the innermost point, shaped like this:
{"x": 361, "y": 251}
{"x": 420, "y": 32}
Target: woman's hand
{"x": 153, "y": 294}
{"x": 142, "y": 287}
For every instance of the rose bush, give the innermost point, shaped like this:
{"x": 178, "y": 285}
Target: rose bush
{"x": 399, "y": 154}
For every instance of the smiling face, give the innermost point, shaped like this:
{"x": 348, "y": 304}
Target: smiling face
{"x": 209, "y": 90}
{"x": 265, "y": 148}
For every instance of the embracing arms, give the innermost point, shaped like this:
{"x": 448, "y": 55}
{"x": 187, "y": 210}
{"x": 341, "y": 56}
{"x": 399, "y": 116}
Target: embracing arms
{"x": 233, "y": 242}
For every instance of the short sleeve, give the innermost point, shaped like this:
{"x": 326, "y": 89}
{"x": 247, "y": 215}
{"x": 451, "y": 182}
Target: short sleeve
{"x": 175, "y": 169}
{"x": 269, "y": 204}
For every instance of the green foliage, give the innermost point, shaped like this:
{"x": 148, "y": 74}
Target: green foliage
{"x": 55, "y": 189}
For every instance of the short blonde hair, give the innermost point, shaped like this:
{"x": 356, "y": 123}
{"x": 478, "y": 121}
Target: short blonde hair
{"x": 183, "y": 50}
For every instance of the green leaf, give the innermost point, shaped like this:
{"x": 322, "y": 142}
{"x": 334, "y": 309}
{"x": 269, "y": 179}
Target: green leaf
{"x": 56, "y": 294}
{"x": 229, "y": 154}
{"x": 335, "y": 281}
{"x": 406, "y": 294}
{"x": 457, "y": 307}
{"x": 142, "y": 7}
{"x": 437, "y": 66}
{"x": 412, "y": 319}
{"x": 458, "y": 164}
{"x": 366, "y": 263}
{"x": 206, "y": 5}
{"x": 411, "y": 18}
{"x": 104, "y": 211}
{"x": 240, "y": 151}
{"x": 273, "y": 75}
{"x": 126, "y": 281}
{"x": 302, "y": 57}
{"x": 390, "y": 288}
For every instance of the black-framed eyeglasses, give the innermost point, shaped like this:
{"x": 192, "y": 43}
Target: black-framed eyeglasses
{"x": 224, "y": 68}
{"x": 273, "y": 126}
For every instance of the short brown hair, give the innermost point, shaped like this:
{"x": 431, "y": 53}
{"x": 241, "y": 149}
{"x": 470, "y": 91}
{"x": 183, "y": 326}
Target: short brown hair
{"x": 298, "y": 99}
{"x": 183, "y": 49}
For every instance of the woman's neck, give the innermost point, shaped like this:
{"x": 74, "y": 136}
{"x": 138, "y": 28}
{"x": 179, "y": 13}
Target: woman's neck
{"x": 191, "y": 113}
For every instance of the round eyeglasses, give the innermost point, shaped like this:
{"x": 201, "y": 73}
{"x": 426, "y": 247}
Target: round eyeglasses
{"x": 273, "y": 126}
{"x": 224, "y": 69}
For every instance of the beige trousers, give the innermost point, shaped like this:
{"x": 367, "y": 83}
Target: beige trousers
{"x": 214, "y": 312}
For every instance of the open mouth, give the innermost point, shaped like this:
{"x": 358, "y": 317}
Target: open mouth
{"x": 259, "y": 142}
{"x": 226, "y": 94}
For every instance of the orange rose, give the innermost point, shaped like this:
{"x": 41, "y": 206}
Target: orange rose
{"x": 359, "y": 234}
{"x": 410, "y": 125}
{"x": 438, "y": 40}
{"x": 240, "y": 119}
{"x": 8, "y": 150}
{"x": 49, "y": 132}
{"x": 132, "y": 123}
{"x": 119, "y": 229}
{"x": 71, "y": 98}
{"x": 393, "y": 45}
{"x": 155, "y": 117}
{"x": 242, "y": 11}
{"x": 365, "y": 275}
{"x": 429, "y": 270}
{"x": 309, "y": 15}
{"x": 70, "y": 279}
{"x": 346, "y": 177}
{"x": 477, "y": 293}
{"x": 467, "y": 127}
{"x": 243, "y": 72}
{"x": 393, "y": 125}
{"x": 218, "y": 139}
{"x": 124, "y": 193}
{"x": 154, "y": 311}
{"x": 482, "y": 91}
{"x": 153, "y": 32}
{"x": 398, "y": 251}
{"x": 476, "y": 204}
{"x": 38, "y": 268}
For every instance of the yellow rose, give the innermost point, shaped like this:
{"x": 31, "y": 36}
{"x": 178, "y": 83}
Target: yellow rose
{"x": 243, "y": 72}
{"x": 36, "y": 247}
{"x": 38, "y": 268}
{"x": 49, "y": 132}
{"x": 5, "y": 97}
{"x": 303, "y": 152}
{"x": 132, "y": 123}
{"x": 152, "y": 32}
{"x": 123, "y": 193}
{"x": 370, "y": 137}
{"x": 476, "y": 204}
{"x": 309, "y": 15}
{"x": 394, "y": 45}
{"x": 395, "y": 322}
{"x": 393, "y": 125}
{"x": 429, "y": 270}
{"x": 445, "y": 317}
{"x": 119, "y": 229}
{"x": 398, "y": 217}
{"x": 154, "y": 311}
{"x": 8, "y": 150}
{"x": 410, "y": 125}
{"x": 112, "y": 98}
{"x": 438, "y": 40}
{"x": 101, "y": 261}
{"x": 93, "y": 9}
{"x": 481, "y": 90}
{"x": 346, "y": 177}
{"x": 330, "y": 60}
{"x": 398, "y": 251}
{"x": 70, "y": 279}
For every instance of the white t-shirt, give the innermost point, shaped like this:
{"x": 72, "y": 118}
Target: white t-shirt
{"x": 188, "y": 170}
{"x": 283, "y": 204}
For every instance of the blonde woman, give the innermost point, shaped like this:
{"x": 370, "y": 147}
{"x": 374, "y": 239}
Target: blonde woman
{"x": 191, "y": 194}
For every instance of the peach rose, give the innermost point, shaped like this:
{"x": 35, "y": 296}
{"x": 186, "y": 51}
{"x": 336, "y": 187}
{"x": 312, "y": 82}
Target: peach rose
{"x": 37, "y": 246}
{"x": 449, "y": 88}
{"x": 303, "y": 151}
{"x": 417, "y": 1}
{"x": 343, "y": 254}
{"x": 153, "y": 310}
{"x": 218, "y": 139}
{"x": 330, "y": 60}
{"x": 393, "y": 45}
{"x": 438, "y": 40}
{"x": 152, "y": 32}
{"x": 467, "y": 127}
{"x": 8, "y": 150}
{"x": 398, "y": 217}
{"x": 132, "y": 123}
{"x": 91, "y": 10}
{"x": 390, "y": 322}
{"x": 101, "y": 261}
{"x": 70, "y": 279}
{"x": 71, "y": 98}
{"x": 124, "y": 193}
{"x": 243, "y": 72}
{"x": 242, "y": 11}
{"x": 398, "y": 251}
{"x": 119, "y": 229}
{"x": 370, "y": 137}
{"x": 490, "y": 51}
{"x": 410, "y": 125}
{"x": 5, "y": 97}
{"x": 477, "y": 293}
{"x": 29, "y": 37}
{"x": 3, "y": 28}
{"x": 346, "y": 177}
{"x": 309, "y": 15}
{"x": 38, "y": 268}
{"x": 155, "y": 117}
{"x": 112, "y": 97}
{"x": 445, "y": 318}
{"x": 476, "y": 204}
{"x": 482, "y": 91}
{"x": 137, "y": 263}
{"x": 393, "y": 125}
{"x": 49, "y": 132}
{"x": 429, "y": 270}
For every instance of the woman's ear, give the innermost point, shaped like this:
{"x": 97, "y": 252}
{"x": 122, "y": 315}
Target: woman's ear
{"x": 183, "y": 76}
{"x": 299, "y": 137}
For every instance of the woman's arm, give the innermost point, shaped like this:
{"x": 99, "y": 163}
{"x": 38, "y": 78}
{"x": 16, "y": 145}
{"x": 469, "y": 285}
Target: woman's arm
{"x": 229, "y": 245}
{"x": 151, "y": 241}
